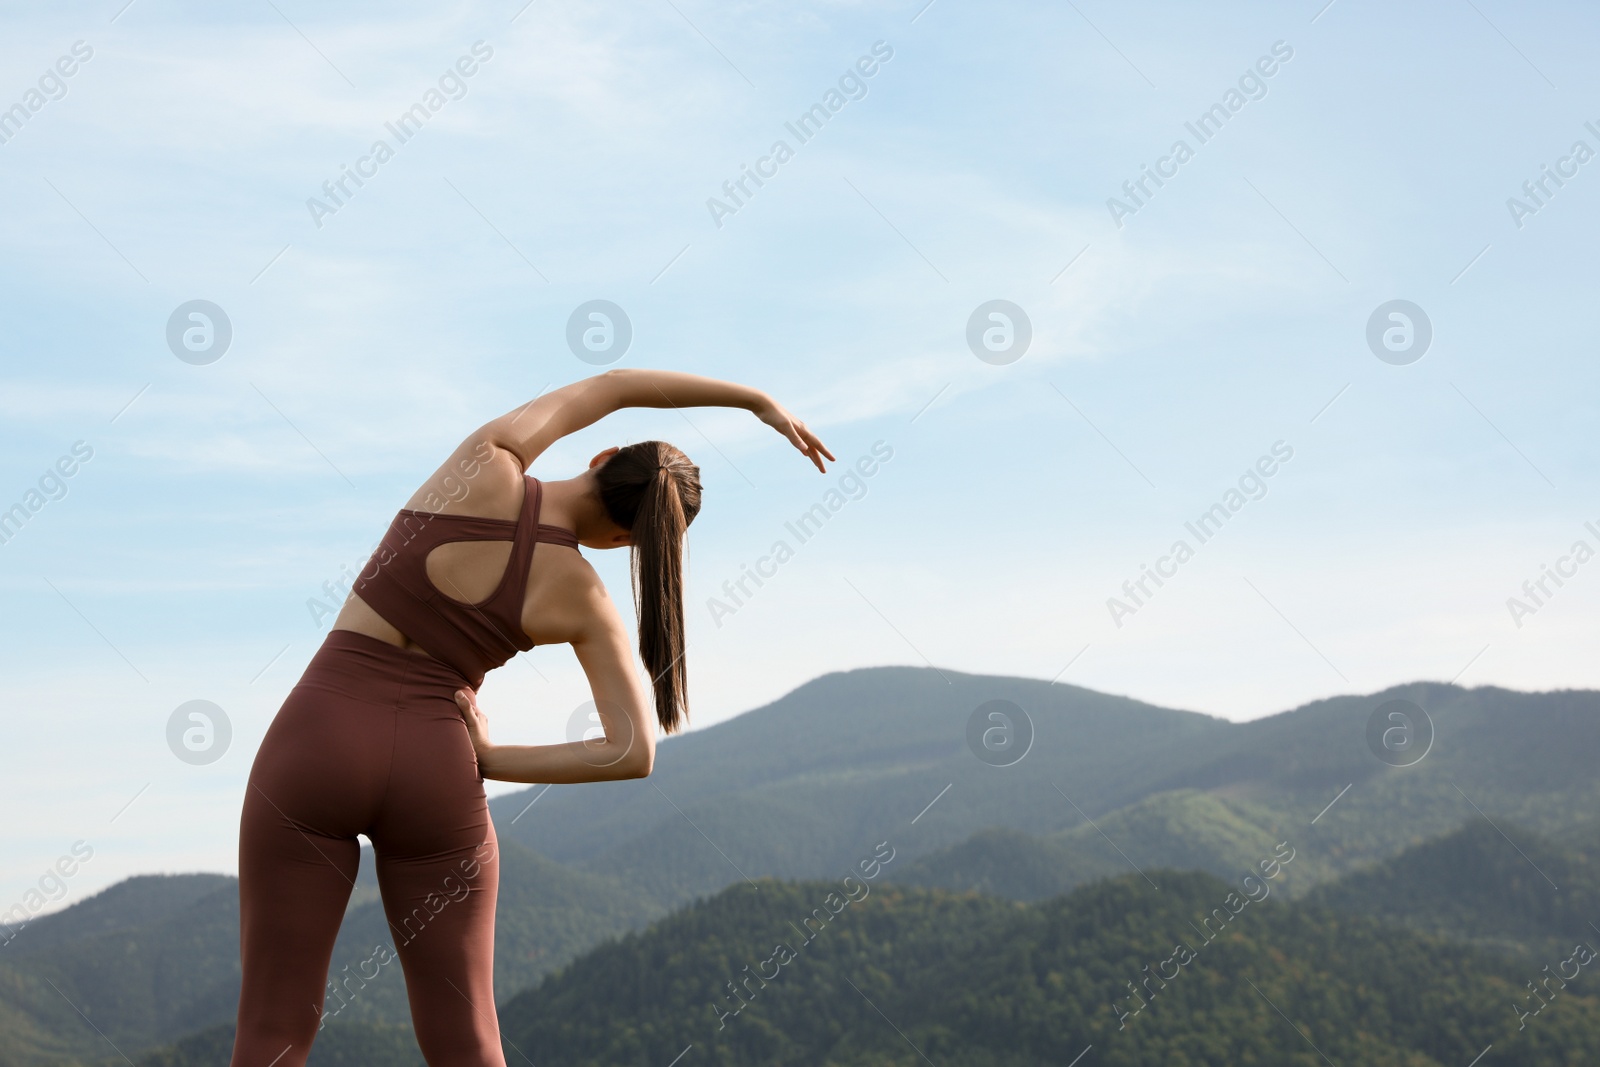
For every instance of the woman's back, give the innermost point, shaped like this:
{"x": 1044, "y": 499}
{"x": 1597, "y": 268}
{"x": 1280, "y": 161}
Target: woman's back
{"x": 457, "y": 575}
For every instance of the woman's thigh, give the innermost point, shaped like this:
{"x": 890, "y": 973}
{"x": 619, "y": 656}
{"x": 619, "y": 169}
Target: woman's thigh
{"x": 438, "y": 869}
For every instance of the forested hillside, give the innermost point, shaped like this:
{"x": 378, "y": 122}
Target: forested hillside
{"x": 1187, "y": 974}
{"x": 1488, "y": 843}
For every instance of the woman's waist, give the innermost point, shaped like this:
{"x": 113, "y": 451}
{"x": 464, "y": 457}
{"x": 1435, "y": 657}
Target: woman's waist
{"x": 361, "y": 665}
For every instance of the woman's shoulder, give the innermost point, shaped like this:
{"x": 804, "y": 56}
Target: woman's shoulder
{"x": 567, "y": 599}
{"x": 568, "y": 574}
{"x": 479, "y": 478}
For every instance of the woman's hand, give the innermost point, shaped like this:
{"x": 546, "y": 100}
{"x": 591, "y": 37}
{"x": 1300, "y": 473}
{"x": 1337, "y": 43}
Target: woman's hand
{"x": 477, "y": 722}
{"x": 775, "y": 415}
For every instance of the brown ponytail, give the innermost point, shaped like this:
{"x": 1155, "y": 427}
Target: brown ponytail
{"x": 651, "y": 489}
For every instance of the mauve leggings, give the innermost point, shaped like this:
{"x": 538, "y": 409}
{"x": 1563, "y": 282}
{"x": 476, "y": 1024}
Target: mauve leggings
{"x": 369, "y": 742}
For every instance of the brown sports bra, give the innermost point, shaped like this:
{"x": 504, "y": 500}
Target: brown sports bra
{"x": 472, "y": 638}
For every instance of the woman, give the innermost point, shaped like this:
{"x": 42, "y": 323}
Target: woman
{"x": 383, "y": 737}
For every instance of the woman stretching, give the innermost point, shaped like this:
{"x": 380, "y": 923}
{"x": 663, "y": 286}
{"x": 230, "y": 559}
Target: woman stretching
{"x": 383, "y": 737}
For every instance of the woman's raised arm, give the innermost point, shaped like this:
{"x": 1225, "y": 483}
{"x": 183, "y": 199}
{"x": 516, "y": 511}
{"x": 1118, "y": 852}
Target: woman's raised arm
{"x": 528, "y": 430}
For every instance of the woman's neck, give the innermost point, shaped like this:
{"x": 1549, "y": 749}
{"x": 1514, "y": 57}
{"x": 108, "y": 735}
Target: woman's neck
{"x": 574, "y": 503}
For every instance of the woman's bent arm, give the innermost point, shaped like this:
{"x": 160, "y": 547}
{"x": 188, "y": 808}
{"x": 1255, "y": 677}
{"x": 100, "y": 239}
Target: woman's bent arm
{"x": 628, "y": 747}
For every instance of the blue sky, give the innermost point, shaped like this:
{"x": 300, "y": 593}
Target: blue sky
{"x": 1225, "y": 315}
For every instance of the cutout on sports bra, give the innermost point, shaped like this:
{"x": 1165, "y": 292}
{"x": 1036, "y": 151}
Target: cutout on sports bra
{"x": 470, "y": 572}
{"x": 464, "y": 608}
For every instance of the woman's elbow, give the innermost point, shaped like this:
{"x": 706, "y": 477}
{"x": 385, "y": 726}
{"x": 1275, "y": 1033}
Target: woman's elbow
{"x": 639, "y": 764}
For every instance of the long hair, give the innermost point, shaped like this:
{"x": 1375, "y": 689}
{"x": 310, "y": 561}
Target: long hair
{"x": 652, "y": 490}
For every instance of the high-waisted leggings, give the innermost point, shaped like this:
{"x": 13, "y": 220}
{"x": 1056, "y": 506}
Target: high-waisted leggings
{"x": 369, "y": 742}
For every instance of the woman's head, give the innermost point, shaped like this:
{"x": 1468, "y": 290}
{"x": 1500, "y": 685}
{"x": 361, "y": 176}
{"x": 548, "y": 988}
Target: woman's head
{"x": 652, "y": 490}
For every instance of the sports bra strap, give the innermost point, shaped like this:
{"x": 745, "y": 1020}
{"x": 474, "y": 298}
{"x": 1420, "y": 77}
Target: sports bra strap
{"x": 514, "y": 586}
{"x": 556, "y": 535}
{"x": 473, "y": 638}
{"x": 530, "y": 531}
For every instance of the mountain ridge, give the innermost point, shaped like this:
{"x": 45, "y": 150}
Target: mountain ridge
{"x": 802, "y": 787}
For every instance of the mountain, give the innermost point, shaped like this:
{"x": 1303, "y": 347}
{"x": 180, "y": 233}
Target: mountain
{"x": 801, "y": 788}
{"x": 1184, "y": 828}
{"x": 1010, "y": 864}
{"x": 796, "y": 788}
{"x": 138, "y": 984}
{"x": 909, "y": 976}
{"x": 175, "y": 943}
{"x": 1493, "y": 884}
{"x": 132, "y": 902}
{"x": 339, "y": 1045}
{"x": 1489, "y": 883}
{"x": 973, "y": 978}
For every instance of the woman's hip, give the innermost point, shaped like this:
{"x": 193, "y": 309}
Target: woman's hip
{"x": 366, "y": 720}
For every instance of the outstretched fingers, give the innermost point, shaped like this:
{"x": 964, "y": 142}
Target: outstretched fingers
{"x": 816, "y": 445}
{"x": 809, "y": 444}
{"x": 799, "y": 435}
